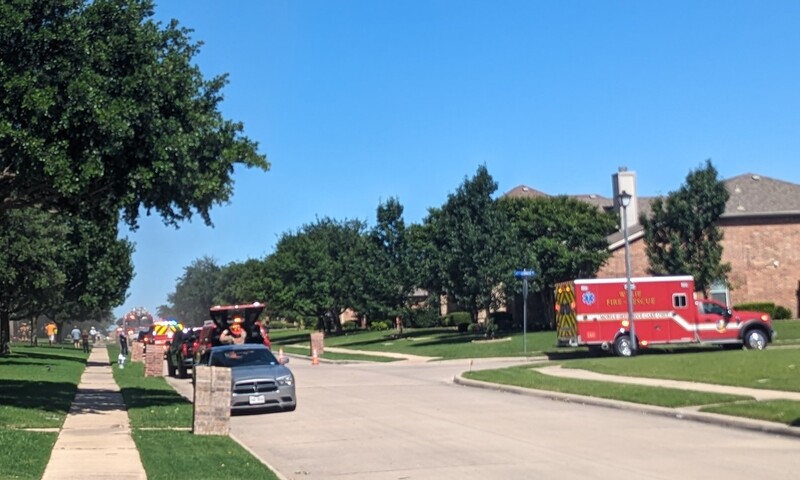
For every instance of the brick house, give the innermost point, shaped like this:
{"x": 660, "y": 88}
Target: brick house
{"x": 761, "y": 236}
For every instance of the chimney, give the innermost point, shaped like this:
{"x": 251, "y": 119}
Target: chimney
{"x": 625, "y": 181}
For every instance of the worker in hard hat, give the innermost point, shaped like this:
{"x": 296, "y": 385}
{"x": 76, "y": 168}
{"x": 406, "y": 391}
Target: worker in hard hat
{"x": 234, "y": 334}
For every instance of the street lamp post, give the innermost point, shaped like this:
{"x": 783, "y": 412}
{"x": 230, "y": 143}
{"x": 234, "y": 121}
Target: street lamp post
{"x": 625, "y": 201}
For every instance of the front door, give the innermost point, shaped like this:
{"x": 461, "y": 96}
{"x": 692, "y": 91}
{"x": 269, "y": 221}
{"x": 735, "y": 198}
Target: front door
{"x": 713, "y": 322}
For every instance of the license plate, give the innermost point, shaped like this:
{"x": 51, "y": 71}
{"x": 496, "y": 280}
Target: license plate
{"x": 256, "y": 399}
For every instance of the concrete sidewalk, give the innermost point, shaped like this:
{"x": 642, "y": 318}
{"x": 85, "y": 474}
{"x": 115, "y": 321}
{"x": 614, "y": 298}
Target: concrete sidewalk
{"x": 757, "y": 393}
{"x": 95, "y": 441}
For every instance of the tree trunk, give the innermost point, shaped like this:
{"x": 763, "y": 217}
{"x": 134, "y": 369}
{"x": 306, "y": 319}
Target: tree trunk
{"x": 33, "y": 335}
{"x": 5, "y": 333}
{"x": 59, "y": 330}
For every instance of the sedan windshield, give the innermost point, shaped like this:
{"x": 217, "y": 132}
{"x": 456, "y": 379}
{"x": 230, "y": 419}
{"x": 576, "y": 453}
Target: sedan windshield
{"x": 241, "y": 357}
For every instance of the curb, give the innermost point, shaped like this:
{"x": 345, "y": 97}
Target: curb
{"x": 278, "y": 474}
{"x": 678, "y": 414}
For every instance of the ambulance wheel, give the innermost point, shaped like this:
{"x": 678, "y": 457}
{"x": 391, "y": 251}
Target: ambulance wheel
{"x": 623, "y": 346}
{"x": 755, "y": 339}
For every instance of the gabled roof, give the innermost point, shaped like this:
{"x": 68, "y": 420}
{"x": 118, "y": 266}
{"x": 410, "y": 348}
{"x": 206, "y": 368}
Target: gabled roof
{"x": 524, "y": 191}
{"x": 750, "y": 195}
{"x": 756, "y": 195}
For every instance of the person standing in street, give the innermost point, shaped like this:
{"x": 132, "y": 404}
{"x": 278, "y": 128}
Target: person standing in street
{"x": 76, "y": 336}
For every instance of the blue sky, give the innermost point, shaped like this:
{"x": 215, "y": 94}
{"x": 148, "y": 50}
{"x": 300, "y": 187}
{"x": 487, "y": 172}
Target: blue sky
{"x": 356, "y": 101}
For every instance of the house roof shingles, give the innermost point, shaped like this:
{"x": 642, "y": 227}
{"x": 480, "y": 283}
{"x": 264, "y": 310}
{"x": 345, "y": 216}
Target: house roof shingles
{"x": 750, "y": 195}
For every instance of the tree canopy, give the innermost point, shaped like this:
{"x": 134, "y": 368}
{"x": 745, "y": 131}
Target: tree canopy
{"x": 103, "y": 109}
{"x": 106, "y": 116}
{"x": 681, "y": 236}
{"x": 559, "y": 237}
{"x": 312, "y": 272}
{"x": 471, "y": 246}
{"x": 196, "y": 291}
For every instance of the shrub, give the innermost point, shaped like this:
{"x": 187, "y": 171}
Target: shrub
{"x": 503, "y": 321}
{"x": 777, "y": 312}
{"x": 782, "y": 313}
{"x": 424, "y": 317}
{"x": 309, "y": 323}
{"x": 279, "y": 324}
{"x": 351, "y": 326}
{"x": 455, "y": 319}
{"x": 380, "y": 325}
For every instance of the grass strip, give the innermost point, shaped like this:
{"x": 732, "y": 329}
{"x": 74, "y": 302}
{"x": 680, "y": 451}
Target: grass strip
{"x": 177, "y": 454}
{"x": 524, "y": 376}
{"x": 151, "y": 401}
{"x": 328, "y": 355}
{"x": 38, "y": 384}
{"x": 217, "y": 457}
{"x": 24, "y": 455}
{"x": 780, "y": 411}
{"x": 443, "y": 342}
{"x": 773, "y": 369}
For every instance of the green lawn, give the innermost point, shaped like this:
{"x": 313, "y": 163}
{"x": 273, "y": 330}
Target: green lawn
{"x": 780, "y": 411}
{"x": 788, "y": 332}
{"x": 525, "y": 376}
{"x": 773, "y": 368}
{"x": 151, "y": 401}
{"x": 161, "y": 420}
{"x": 447, "y": 343}
{"x": 24, "y": 454}
{"x": 171, "y": 455}
{"x": 429, "y": 342}
{"x": 37, "y": 386}
{"x": 328, "y": 355}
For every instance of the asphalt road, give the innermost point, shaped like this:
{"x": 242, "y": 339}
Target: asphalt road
{"x": 410, "y": 421}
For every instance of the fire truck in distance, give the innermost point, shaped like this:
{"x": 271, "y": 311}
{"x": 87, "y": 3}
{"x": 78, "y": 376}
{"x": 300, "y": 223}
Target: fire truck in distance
{"x": 594, "y": 313}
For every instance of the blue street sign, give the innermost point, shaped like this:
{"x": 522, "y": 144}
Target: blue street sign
{"x": 524, "y": 273}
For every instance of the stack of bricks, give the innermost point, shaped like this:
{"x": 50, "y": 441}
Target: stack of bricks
{"x": 212, "y": 400}
{"x": 137, "y": 351}
{"x": 154, "y": 361}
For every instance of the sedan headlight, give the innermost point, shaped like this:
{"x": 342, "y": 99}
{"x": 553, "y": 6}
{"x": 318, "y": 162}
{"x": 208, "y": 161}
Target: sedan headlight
{"x": 286, "y": 381}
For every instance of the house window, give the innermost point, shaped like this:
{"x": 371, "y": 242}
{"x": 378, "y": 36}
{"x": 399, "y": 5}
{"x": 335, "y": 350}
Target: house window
{"x": 679, "y": 300}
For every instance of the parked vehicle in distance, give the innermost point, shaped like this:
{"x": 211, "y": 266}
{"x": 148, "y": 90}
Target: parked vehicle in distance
{"x": 595, "y": 313}
{"x": 180, "y": 353}
{"x": 259, "y": 381}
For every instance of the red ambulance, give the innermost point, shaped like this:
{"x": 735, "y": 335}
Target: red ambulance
{"x": 594, "y": 313}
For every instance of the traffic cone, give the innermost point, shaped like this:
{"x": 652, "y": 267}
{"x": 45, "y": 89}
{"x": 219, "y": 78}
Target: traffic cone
{"x": 314, "y": 357}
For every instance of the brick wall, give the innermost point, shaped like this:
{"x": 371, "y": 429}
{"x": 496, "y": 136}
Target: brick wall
{"x": 154, "y": 361}
{"x": 764, "y": 258}
{"x": 212, "y": 401}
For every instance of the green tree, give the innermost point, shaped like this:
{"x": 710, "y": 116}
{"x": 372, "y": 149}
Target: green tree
{"x": 196, "y": 291}
{"x": 560, "y": 238}
{"x": 30, "y": 275}
{"x": 104, "y": 109}
{"x": 98, "y": 269}
{"x": 681, "y": 236}
{"x": 386, "y": 280}
{"x": 242, "y": 282}
{"x": 471, "y": 245}
{"x": 312, "y": 272}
